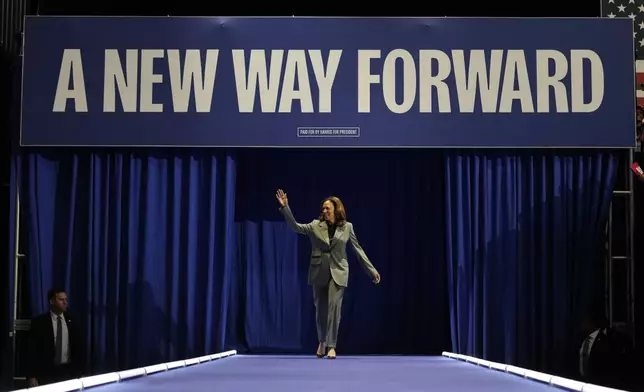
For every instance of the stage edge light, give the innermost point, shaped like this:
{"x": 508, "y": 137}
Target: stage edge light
{"x": 533, "y": 375}
{"x": 499, "y": 366}
{"x": 176, "y": 364}
{"x": 543, "y": 377}
{"x": 484, "y": 363}
{"x": 100, "y": 379}
{"x": 131, "y": 373}
{"x": 110, "y": 378}
{"x": 192, "y": 361}
{"x": 162, "y": 367}
{"x": 567, "y": 383}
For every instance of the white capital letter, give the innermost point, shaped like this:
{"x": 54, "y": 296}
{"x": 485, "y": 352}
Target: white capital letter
{"x": 389, "y": 81}
{"x": 296, "y": 68}
{"x": 428, "y": 80}
{"x": 366, "y": 79}
{"x": 115, "y": 78}
{"x": 257, "y": 78}
{"x": 181, "y": 84}
{"x": 71, "y": 66}
{"x": 324, "y": 78}
{"x": 545, "y": 81}
{"x": 577, "y": 58}
{"x": 149, "y": 79}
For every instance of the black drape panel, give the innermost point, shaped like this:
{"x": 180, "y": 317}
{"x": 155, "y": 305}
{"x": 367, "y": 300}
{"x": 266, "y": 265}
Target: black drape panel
{"x": 395, "y": 201}
{"x": 524, "y": 249}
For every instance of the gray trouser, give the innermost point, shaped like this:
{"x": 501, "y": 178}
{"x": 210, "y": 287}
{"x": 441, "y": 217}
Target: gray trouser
{"x": 328, "y": 309}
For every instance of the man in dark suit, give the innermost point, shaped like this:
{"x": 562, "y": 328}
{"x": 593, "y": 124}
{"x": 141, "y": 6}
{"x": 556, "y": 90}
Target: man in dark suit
{"x": 603, "y": 353}
{"x": 55, "y": 343}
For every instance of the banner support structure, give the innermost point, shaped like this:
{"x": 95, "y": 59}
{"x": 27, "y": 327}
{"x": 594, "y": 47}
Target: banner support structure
{"x": 16, "y": 278}
{"x": 631, "y": 246}
{"x": 622, "y": 259}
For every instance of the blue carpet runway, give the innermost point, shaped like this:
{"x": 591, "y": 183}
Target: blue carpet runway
{"x": 270, "y": 373}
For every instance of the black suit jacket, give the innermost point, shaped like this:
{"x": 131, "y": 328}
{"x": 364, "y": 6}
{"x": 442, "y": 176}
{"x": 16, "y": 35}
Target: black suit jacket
{"x": 42, "y": 349}
{"x": 608, "y": 361}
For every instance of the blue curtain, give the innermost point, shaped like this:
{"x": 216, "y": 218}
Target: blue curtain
{"x": 142, "y": 241}
{"x": 173, "y": 255}
{"x": 524, "y": 250}
{"x": 395, "y": 200}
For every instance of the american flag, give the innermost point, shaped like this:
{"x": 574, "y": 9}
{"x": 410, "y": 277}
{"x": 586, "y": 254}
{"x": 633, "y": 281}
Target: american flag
{"x": 633, "y": 9}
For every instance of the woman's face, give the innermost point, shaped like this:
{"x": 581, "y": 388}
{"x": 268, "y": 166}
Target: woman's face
{"x": 328, "y": 210}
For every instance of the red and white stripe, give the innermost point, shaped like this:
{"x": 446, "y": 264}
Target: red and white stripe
{"x": 639, "y": 80}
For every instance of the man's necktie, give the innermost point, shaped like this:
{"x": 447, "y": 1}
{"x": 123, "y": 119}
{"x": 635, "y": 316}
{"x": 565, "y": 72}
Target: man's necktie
{"x": 59, "y": 341}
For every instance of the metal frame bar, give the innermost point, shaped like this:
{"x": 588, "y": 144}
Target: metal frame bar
{"x": 11, "y": 43}
{"x": 628, "y": 258}
{"x": 631, "y": 245}
{"x": 608, "y": 278}
{"x": 16, "y": 276}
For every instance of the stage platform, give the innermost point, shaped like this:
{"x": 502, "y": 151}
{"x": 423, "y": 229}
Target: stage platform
{"x": 281, "y": 373}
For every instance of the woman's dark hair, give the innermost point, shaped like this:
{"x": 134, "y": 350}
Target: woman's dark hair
{"x": 339, "y": 211}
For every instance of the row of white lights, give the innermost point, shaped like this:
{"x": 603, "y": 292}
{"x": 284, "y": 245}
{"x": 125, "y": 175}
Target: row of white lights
{"x": 531, "y": 374}
{"x": 108, "y": 378}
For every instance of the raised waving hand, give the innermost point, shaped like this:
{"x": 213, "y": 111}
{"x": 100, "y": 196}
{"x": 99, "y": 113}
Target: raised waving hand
{"x": 281, "y": 198}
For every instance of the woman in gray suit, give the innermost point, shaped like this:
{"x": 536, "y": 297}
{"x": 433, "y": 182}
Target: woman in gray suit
{"x": 328, "y": 267}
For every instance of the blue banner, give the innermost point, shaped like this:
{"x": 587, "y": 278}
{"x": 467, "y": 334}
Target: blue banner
{"x": 328, "y": 82}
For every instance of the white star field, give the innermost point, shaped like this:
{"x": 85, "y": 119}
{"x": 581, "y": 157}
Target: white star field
{"x": 633, "y": 9}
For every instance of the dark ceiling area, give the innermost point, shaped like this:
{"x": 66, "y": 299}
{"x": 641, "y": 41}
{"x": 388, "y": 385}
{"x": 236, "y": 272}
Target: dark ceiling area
{"x": 547, "y": 8}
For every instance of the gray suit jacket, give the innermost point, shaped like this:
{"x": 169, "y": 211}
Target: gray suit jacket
{"x": 329, "y": 253}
